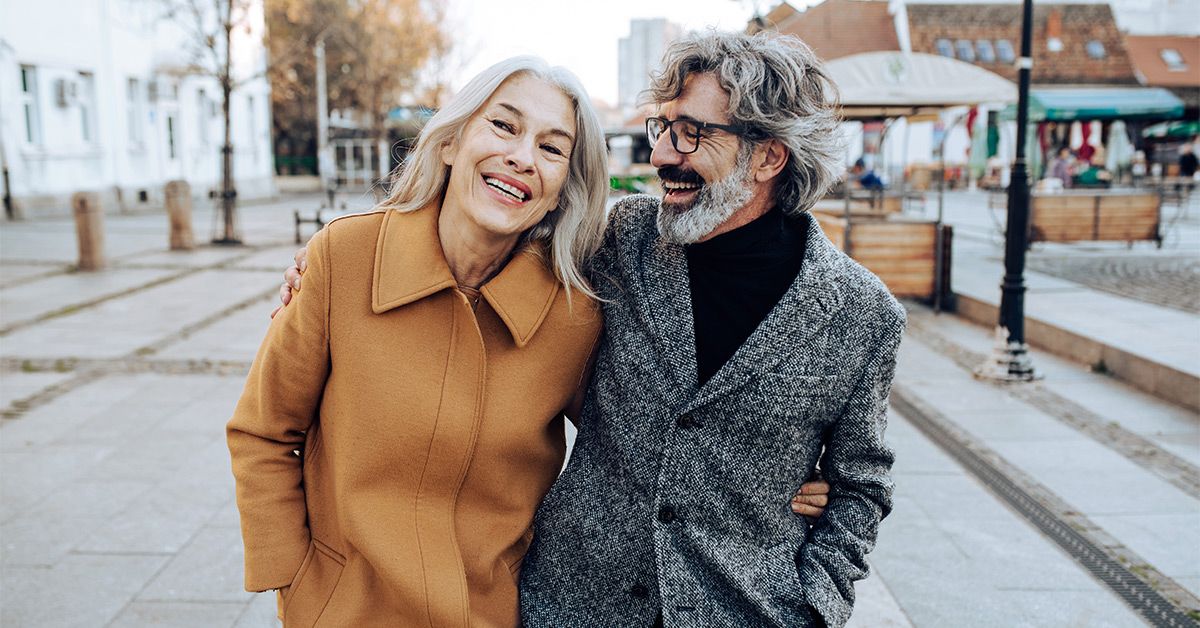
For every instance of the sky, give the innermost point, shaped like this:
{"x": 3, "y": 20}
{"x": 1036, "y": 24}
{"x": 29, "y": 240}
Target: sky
{"x": 579, "y": 34}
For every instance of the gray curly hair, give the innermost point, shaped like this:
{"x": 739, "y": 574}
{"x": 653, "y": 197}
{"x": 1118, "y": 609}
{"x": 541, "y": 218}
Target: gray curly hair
{"x": 778, "y": 88}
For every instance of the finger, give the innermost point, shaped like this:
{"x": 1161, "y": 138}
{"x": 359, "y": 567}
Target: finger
{"x": 301, "y": 259}
{"x": 285, "y": 294}
{"x": 820, "y": 501}
{"x": 276, "y": 310}
{"x": 806, "y": 510}
{"x": 291, "y": 277}
{"x": 816, "y": 487}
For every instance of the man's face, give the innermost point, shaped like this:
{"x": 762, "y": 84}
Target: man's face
{"x": 702, "y": 189}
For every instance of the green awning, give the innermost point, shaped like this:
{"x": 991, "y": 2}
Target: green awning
{"x": 1100, "y": 103}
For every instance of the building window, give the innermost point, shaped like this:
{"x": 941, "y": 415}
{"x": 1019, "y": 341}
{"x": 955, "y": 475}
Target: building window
{"x": 87, "y": 98}
{"x": 1173, "y": 59}
{"x": 966, "y": 52}
{"x": 984, "y": 48}
{"x": 133, "y": 117}
{"x": 252, "y": 125}
{"x": 202, "y": 116}
{"x": 29, "y": 103}
{"x": 944, "y": 48}
{"x": 1095, "y": 49}
{"x": 1004, "y": 51}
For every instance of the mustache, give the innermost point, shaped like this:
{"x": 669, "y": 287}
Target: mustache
{"x": 679, "y": 175}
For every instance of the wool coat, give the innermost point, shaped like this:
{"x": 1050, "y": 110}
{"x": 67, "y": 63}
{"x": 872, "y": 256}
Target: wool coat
{"x": 391, "y": 445}
{"x": 676, "y": 497}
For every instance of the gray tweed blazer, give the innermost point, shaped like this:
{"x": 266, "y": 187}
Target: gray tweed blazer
{"x": 676, "y": 497}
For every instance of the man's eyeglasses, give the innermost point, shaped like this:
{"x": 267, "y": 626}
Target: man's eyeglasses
{"x": 686, "y": 134}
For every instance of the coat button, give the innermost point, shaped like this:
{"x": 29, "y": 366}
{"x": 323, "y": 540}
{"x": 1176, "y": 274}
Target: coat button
{"x": 686, "y": 422}
{"x": 639, "y": 591}
{"x": 666, "y": 514}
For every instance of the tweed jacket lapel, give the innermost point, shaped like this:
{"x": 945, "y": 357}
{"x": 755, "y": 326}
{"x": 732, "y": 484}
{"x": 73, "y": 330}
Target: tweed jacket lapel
{"x": 791, "y": 325}
{"x": 667, "y": 302}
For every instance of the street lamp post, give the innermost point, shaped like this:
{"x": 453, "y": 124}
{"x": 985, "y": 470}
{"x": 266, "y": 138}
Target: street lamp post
{"x": 1010, "y": 359}
{"x": 325, "y": 166}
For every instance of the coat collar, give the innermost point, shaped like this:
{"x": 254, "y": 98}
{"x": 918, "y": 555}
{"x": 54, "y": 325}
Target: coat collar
{"x": 410, "y": 265}
{"x": 801, "y": 314}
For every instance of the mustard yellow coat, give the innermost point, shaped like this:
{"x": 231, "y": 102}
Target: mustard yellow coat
{"x": 391, "y": 445}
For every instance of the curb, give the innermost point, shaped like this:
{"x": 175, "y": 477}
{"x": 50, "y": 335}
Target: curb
{"x": 1163, "y": 381}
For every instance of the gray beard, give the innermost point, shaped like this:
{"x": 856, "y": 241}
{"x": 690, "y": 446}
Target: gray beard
{"x": 714, "y": 204}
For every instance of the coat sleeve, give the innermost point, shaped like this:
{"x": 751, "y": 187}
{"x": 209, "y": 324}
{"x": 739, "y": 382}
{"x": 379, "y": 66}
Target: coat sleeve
{"x": 277, "y": 407}
{"x": 857, "y": 464}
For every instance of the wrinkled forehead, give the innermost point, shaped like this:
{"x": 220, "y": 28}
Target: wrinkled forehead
{"x": 702, "y": 98}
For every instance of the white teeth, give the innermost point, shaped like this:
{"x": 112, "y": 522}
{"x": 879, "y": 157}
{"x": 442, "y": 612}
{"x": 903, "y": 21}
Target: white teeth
{"x": 504, "y": 187}
{"x": 673, "y": 185}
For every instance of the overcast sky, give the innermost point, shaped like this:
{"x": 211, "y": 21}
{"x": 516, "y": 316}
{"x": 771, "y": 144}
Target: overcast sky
{"x": 579, "y": 34}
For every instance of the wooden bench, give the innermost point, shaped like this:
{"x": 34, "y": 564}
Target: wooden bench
{"x": 1095, "y": 216}
{"x": 901, "y": 252}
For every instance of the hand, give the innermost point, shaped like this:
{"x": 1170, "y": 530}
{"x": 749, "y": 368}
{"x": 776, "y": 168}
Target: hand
{"x": 811, "y": 499}
{"x": 291, "y": 279}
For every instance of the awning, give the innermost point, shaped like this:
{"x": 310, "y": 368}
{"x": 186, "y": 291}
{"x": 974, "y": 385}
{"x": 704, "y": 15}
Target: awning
{"x": 895, "y": 84}
{"x": 1100, "y": 103}
{"x": 1179, "y": 128}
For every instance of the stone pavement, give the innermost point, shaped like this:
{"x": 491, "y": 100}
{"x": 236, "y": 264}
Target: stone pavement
{"x": 116, "y": 500}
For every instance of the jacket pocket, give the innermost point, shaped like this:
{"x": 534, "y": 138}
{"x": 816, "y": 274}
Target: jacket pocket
{"x": 313, "y": 585}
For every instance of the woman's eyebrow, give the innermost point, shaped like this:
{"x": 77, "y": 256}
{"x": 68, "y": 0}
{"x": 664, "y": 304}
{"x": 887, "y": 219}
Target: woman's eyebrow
{"x": 521, "y": 115}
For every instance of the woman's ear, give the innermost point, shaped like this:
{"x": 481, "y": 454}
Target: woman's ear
{"x": 448, "y": 153}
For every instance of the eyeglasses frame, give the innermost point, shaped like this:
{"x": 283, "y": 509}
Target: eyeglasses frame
{"x": 740, "y": 130}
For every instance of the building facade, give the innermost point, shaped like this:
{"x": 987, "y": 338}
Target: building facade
{"x": 97, "y": 95}
{"x": 639, "y": 54}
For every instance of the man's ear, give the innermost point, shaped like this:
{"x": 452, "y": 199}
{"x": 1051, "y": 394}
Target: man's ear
{"x": 770, "y": 157}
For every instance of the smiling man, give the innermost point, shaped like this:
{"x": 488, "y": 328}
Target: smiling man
{"x": 741, "y": 348}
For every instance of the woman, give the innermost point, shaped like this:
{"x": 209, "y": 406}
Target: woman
{"x": 423, "y": 373}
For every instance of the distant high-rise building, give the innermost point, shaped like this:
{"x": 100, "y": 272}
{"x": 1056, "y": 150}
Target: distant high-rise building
{"x": 640, "y": 53}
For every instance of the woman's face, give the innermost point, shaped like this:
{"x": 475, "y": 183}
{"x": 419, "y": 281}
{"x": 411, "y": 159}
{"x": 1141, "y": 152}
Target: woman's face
{"x": 508, "y": 168}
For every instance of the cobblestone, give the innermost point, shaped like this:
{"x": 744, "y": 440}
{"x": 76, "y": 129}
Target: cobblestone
{"x": 1169, "y": 281}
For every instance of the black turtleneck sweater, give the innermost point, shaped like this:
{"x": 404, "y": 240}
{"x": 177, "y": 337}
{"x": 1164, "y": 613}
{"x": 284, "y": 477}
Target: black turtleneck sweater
{"x": 736, "y": 279}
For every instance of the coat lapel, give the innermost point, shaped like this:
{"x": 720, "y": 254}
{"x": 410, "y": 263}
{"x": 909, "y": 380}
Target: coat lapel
{"x": 790, "y": 327}
{"x": 667, "y": 306}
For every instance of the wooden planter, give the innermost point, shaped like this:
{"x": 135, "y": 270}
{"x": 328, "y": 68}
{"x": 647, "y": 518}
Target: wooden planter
{"x": 901, "y": 252}
{"x": 1095, "y": 216}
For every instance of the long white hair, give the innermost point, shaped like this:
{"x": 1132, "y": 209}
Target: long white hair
{"x": 574, "y": 231}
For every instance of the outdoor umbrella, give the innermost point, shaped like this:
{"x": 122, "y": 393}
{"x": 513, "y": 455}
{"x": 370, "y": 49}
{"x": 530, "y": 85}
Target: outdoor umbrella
{"x": 1177, "y": 128}
{"x": 1120, "y": 149}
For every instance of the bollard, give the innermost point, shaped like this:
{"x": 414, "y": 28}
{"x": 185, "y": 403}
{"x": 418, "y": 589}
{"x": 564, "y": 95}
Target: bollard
{"x": 89, "y": 226}
{"x": 179, "y": 212}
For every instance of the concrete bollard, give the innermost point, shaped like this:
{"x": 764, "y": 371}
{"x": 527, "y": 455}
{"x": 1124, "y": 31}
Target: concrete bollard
{"x": 179, "y": 211}
{"x": 89, "y": 226}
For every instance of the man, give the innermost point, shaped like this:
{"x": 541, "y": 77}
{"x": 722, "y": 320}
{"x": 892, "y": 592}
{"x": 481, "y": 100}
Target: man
{"x": 738, "y": 343}
{"x": 740, "y": 348}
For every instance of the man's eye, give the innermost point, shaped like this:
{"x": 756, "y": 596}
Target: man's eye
{"x": 503, "y": 126}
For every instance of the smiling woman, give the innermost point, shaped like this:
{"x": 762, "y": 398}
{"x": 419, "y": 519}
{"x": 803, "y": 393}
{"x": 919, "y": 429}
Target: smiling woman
{"x": 424, "y": 372}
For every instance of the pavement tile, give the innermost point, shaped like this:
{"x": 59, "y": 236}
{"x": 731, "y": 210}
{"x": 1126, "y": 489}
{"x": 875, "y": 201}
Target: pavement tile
{"x": 1169, "y": 542}
{"x": 179, "y": 614}
{"x": 199, "y": 257}
{"x": 35, "y": 541}
{"x": 20, "y": 385}
{"x": 16, "y": 272}
{"x": 874, "y": 606}
{"x": 81, "y": 590}
{"x": 28, "y": 301}
{"x": 260, "y": 612}
{"x": 234, "y": 338}
{"x": 209, "y": 568}
{"x": 27, "y": 477}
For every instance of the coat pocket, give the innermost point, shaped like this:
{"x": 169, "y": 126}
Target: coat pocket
{"x": 313, "y": 585}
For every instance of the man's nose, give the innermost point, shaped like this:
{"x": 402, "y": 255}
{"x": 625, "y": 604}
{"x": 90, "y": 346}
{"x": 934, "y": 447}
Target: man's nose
{"x": 664, "y": 153}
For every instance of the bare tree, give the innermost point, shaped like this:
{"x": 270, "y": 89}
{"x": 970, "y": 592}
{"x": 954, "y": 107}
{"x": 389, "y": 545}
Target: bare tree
{"x": 209, "y": 26}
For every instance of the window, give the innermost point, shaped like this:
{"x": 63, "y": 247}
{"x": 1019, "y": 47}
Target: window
{"x": 29, "y": 103}
{"x": 202, "y": 116}
{"x": 133, "y": 117}
{"x": 1004, "y": 51}
{"x": 944, "y": 48}
{"x": 986, "y": 53}
{"x": 87, "y": 96}
{"x": 1095, "y": 49}
{"x": 1054, "y": 44}
{"x": 966, "y": 52}
{"x": 252, "y": 126}
{"x": 1173, "y": 59}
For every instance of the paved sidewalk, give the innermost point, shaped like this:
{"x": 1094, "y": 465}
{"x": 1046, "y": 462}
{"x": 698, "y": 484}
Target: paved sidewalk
{"x": 116, "y": 500}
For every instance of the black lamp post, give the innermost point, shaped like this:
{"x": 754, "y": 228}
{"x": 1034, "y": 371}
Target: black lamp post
{"x": 1010, "y": 359}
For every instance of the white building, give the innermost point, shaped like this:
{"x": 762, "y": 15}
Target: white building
{"x": 93, "y": 98}
{"x": 639, "y": 54}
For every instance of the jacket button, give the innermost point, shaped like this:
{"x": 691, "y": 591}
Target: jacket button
{"x": 686, "y": 422}
{"x": 639, "y": 591}
{"x": 666, "y": 514}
